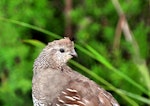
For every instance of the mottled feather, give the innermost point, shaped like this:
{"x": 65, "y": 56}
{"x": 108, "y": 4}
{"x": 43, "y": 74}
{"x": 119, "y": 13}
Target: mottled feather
{"x": 56, "y": 84}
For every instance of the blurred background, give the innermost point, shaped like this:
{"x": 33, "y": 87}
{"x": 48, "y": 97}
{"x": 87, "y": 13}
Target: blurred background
{"x": 112, "y": 40}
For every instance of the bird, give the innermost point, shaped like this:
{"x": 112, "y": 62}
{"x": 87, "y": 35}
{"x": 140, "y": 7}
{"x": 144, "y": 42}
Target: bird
{"x": 54, "y": 83}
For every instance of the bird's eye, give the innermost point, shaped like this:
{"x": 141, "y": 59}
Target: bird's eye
{"x": 62, "y": 50}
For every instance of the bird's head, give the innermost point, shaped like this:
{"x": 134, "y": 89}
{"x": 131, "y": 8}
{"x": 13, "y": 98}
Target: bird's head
{"x": 56, "y": 54}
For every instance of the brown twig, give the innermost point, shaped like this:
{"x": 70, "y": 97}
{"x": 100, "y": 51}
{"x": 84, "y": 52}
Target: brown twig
{"x": 68, "y": 27}
{"x": 118, "y": 33}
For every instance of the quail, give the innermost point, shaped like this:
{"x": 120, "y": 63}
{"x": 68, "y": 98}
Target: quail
{"x": 54, "y": 83}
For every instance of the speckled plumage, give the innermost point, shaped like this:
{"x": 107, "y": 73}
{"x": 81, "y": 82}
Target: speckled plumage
{"x": 56, "y": 84}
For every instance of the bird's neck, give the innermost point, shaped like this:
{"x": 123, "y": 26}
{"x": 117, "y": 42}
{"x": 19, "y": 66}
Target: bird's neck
{"x": 41, "y": 64}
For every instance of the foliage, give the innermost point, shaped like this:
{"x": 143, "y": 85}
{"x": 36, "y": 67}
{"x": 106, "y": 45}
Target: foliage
{"x": 119, "y": 71}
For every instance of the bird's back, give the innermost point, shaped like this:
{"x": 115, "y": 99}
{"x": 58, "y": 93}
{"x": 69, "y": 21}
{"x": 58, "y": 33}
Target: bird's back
{"x": 69, "y": 88}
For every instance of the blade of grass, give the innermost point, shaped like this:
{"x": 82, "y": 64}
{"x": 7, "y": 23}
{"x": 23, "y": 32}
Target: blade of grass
{"x": 144, "y": 72}
{"x": 35, "y": 43}
{"x": 102, "y": 60}
{"x": 31, "y": 26}
{"x": 93, "y": 53}
{"x": 135, "y": 96}
{"x": 141, "y": 63}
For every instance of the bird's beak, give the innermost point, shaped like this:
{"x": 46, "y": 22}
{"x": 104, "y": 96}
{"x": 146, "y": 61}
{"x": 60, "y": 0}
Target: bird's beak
{"x": 73, "y": 53}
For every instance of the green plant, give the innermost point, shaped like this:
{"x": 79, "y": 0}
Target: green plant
{"x": 119, "y": 71}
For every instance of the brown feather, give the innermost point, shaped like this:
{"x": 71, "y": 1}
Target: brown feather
{"x": 56, "y": 84}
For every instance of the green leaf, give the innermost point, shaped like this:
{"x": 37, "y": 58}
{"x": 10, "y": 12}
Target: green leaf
{"x": 35, "y": 43}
